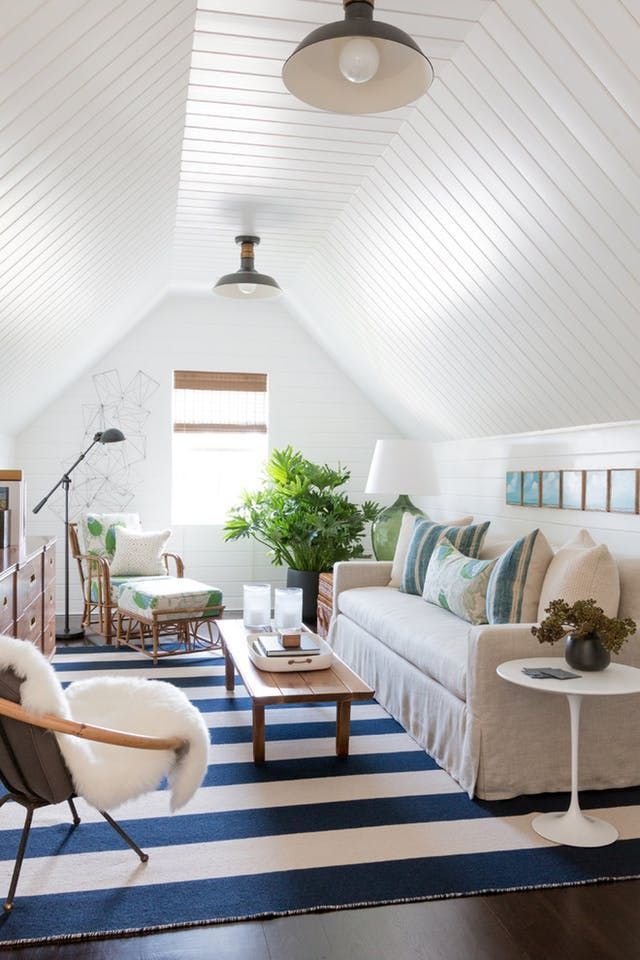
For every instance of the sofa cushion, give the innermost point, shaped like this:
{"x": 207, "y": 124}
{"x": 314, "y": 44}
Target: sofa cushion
{"x": 404, "y": 539}
{"x": 582, "y": 570}
{"x": 516, "y": 580}
{"x": 467, "y": 540}
{"x": 427, "y": 636}
{"x": 458, "y": 583}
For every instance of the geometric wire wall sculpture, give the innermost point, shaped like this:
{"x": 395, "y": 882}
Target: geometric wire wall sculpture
{"x": 107, "y": 479}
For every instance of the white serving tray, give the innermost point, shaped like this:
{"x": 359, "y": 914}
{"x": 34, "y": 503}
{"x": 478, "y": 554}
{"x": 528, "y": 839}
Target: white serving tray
{"x": 294, "y": 663}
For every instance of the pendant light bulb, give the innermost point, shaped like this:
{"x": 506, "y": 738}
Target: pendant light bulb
{"x": 247, "y": 288}
{"x": 359, "y": 60}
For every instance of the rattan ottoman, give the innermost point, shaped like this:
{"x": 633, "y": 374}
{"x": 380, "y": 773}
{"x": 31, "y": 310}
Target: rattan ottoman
{"x": 169, "y": 609}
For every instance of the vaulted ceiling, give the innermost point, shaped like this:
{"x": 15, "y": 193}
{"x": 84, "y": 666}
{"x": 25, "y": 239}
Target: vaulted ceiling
{"x": 471, "y": 261}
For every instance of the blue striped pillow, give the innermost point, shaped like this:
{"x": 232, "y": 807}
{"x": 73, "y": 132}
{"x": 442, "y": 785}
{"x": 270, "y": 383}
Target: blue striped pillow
{"x": 516, "y": 580}
{"x": 426, "y": 533}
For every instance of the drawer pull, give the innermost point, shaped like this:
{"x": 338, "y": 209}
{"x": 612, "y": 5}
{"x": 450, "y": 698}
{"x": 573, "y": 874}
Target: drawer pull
{"x": 32, "y": 578}
{"x": 5, "y": 601}
{"x": 33, "y": 621}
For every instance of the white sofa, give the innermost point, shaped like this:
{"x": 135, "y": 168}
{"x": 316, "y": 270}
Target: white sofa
{"x": 436, "y": 675}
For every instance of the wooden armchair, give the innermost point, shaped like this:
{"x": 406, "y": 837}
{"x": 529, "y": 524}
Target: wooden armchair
{"x": 33, "y": 769}
{"x": 99, "y": 593}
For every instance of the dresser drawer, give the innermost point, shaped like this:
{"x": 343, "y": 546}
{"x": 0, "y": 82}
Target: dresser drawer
{"x": 29, "y": 582}
{"x": 49, "y": 638}
{"x": 49, "y": 601}
{"x": 30, "y": 623}
{"x": 49, "y": 565}
{"x": 7, "y": 603}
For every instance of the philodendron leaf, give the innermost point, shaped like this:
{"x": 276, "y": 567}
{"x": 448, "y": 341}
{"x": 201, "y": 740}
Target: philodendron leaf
{"x": 94, "y": 526}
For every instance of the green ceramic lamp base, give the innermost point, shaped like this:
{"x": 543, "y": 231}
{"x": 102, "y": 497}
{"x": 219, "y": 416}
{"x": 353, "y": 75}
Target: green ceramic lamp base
{"x": 385, "y": 530}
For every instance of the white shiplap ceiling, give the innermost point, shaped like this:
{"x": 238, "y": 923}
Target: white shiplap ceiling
{"x": 256, "y": 160}
{"x": 472, "y": 261}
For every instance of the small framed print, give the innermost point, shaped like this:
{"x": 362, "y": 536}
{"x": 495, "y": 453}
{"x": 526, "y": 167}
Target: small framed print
{"x": 596, "y": 489}
{"x": 551, "y": 481}
{"x": 531, "y": 488}
{"x": 514, "y": 488}
{"x": 572, "y": 486}
{"x": 623, "y": 491}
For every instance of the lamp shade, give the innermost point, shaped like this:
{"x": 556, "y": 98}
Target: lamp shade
{"x": 403, "y": 466}
{"x": 246, "y": 283}
{"x": 112, "y": 435}
{"x": 358, "y": 65}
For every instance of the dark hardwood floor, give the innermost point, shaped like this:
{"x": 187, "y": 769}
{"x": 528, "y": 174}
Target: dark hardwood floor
{"x": 594, "y": 922}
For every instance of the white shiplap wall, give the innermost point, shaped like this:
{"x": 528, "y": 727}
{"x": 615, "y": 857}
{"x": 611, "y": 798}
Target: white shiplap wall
{"x": 312, "y": 406}
{"x": 472, "y": 480}
{"x": 488, "y": 268}
{"x": 7, "y": 452}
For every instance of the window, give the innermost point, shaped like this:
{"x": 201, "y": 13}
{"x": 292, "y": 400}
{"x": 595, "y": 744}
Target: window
{"x": 219, "y": 441}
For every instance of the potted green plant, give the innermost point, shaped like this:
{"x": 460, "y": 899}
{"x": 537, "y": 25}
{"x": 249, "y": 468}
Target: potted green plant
{"x": 304, "y": 519}
{"x": 590, "y": 636}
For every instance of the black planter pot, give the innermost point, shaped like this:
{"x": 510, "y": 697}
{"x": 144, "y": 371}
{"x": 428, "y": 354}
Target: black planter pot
{"x": 308, "y": 580}
{"x": 586, "y": 653}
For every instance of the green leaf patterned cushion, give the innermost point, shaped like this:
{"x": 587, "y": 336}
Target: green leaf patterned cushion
{"x": 457, "y": 582}
{"x": 426, "y": 534}
{"x": 98, "y": 531}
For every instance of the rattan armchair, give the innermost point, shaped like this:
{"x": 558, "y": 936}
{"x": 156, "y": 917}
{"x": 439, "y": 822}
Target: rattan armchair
{"x": 100, "y": 604}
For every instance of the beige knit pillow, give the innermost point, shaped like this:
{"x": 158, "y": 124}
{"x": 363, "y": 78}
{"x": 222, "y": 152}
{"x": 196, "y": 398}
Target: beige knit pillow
{"x": 582, "y": 569}
{"x": 404, "y": 539}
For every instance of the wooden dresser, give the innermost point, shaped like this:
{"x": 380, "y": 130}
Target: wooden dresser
{"x": 325, "y": 603}
{"x": 28, "y": 593}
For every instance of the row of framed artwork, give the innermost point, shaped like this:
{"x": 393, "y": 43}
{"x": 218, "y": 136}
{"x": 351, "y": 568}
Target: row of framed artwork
{"x": 611, "y": 490}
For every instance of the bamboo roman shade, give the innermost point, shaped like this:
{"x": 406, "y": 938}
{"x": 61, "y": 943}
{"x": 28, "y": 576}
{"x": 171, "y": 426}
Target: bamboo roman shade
{"x": 209, "y": 402}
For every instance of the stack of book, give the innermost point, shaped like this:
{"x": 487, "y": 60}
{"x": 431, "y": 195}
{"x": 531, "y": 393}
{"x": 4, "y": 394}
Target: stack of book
{"x": 270, "y": 645}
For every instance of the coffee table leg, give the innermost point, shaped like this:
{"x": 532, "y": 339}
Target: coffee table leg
{"x": 258, "y": 733}
{"x": 343, "y": 719}
{"x": 229, "y": 668}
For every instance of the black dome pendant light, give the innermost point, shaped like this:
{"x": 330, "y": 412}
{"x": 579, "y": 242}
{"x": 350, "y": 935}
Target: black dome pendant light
{"x": 358, "y": 65}
{"x": 246, "y": 283}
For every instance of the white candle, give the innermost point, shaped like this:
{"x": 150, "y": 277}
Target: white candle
{"x": 288, "y": 608}
{"x": 256, "y": 604}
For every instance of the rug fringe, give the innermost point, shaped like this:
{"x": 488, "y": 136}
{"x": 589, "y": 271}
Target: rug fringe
{"x": 274, "y": 914}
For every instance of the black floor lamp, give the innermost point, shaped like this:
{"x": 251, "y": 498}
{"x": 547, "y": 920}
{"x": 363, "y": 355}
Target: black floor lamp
{"x": 106, "y": 436}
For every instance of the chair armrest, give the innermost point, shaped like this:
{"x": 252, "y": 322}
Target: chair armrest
{"x": 359, "y": 573}
{"x": 178, "y": 563}
{"x": 489, "y": 646}
{"x": 91, "y": 558}
{"x": 87, "y": 732}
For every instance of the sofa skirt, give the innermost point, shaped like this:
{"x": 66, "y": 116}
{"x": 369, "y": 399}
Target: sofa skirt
{"x": 436, "y": 719}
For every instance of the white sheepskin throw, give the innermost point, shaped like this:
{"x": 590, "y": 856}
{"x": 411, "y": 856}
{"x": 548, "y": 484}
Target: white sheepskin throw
{"x": 107, "y": 775}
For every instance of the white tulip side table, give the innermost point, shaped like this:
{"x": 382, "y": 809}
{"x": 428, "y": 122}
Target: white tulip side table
{"x": 573, "y": 827}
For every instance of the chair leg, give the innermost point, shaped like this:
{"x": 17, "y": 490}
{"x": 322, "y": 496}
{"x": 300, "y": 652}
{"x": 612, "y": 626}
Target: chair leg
{"x": 74, "y": 812}
{"x": 125, "y": 836}
{"x": 8, "y": 904}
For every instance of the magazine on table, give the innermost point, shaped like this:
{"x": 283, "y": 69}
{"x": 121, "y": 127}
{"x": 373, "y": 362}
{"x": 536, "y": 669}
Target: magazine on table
{"x": 270, "y": 645}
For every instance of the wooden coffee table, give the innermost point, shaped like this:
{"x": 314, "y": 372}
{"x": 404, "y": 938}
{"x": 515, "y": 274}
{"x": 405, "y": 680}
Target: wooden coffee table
{"x": 337, "y": 684}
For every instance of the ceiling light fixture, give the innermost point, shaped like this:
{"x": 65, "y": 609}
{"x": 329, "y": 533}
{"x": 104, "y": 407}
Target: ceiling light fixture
{"x": 358, "y": 65}
{"x": 246, "y": 283}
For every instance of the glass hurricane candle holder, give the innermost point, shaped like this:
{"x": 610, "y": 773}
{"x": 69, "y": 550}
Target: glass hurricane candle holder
{"x": 288, "y": 609}
{"x": 256, "y": 605}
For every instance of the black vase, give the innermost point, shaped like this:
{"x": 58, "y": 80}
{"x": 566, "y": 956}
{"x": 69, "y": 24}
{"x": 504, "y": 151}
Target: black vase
{"x": 586, "y": 653}
{"x": 308, "y": 580}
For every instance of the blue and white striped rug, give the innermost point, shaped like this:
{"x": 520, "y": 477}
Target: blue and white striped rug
{"x": 305, "y": 831}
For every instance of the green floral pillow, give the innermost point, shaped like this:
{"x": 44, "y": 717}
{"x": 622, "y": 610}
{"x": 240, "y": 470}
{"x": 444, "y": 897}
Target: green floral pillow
{"x": 99, "y": 531}
{"x": 458, "y": 583}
